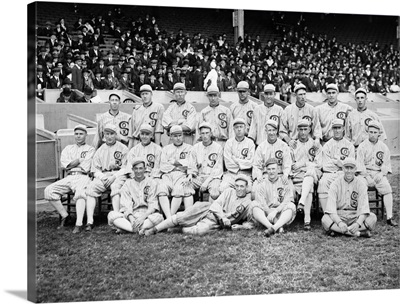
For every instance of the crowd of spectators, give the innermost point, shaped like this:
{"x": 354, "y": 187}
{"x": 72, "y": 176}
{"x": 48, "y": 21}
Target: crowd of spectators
{"x": 142, "y": 53}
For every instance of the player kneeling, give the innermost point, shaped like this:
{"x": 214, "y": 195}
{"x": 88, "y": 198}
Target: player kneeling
{"x": 229, "y": 209}
{"x": 138, "y": 206}
{"x": 274, "y": 205}
{"x": 347, "y": 210}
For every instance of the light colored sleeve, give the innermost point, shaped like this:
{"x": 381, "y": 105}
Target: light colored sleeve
{"x": 218, "y": 168}
{"x": 160, "y": 114}
{"x": 253, "y": 127}
{"x": 96, "y": 164}
{"x": 316, "y": 129}
{"x": 217, "y": 206}
{"x": 167, "y": 119}
{"x": 363, "y": 205}
{"x": 228, "y": 153}
{"x": 126, "y": 201}
{"x": 132, "y": 125}
{"x": 231, "y": 133}
{"x": 261, "y": 196}
{"x": 66, "y": 157}
{"x": 191, "y": 119}
{"x": 386, "y": 165}
{"x": 333, "y": 197}
{"x": 86, "y": 163}
{"x": 361, "y": 160}
{"x": 258, "y": 164}
{"x": 166, "y": 164}
{"x": 287, "y": 161}
{"x": 283, "y": 130}
{"x": 156, "y": 170}
{"x": 247, "y": 163}
{"x": 152, "y": 200}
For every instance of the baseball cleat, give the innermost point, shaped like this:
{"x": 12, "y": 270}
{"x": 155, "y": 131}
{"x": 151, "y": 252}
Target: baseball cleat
{"x": 63, "y": 222}
{"x": 89, "y": 227}
{"x": 307, "y": 226}
{"x": 77, "y": 229}
{"x": 268, "y": 232}
{"x": 365, "y": 233}
{"x": 391, "y": 222}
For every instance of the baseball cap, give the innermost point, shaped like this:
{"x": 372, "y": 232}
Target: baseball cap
{"x": 361, "y": 90}
{"x": 238, "y": 120}
{"x": 176, "y": 130}
{"x": 212, "y": 89}
{"x": 349, "y": 162}
{"x": 374, "y": 124}
{"x": 242, "y": 177}
{"x": 81, "y": 127}
{"x": 205, "y": 124}
{"x": 88, "y": 91}
{"x": 337, "y": 122}
{"x": 273, "y": 123}
{"x": 146, "y": 128}
{"x": 269, "y": 88}
{"x": 179, "y": 86}
{"x": 271, "y": 161}
{"x": 242, "y": 85}
{"x": 303, "y": 123}
{"x": 299, "y": 86}
{"x": 110, "y": 127}
{"x": 332, "y": 86}
{"x": 114, "y": 94}
{"x": 145, "y": 88}
{"x": 138, "y": 160}
{"x": 67, "y": 81}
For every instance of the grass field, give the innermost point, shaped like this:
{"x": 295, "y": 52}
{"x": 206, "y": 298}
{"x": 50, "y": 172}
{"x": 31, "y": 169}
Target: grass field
{"x": 103, "y": 266}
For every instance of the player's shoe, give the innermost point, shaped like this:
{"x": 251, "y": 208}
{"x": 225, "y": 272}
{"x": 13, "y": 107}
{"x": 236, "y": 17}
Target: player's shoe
{"x": 77, "y": 229}
{"x": 391, "y": 222}
{"x": 331, "y": 233}
{"x": 268, "y": 232}
{"x": 118, "y": 231}
{"x": 300, "y": 209}
{"x": 64, "y": 222}
{"x": 150, "y": 231}
{"x": 365, "y": 233}
{"x": 89, "y": 227}
{"x": 244, "y": 226}
{"x": 307, "y": 226}
{"x": 281, "y": 230}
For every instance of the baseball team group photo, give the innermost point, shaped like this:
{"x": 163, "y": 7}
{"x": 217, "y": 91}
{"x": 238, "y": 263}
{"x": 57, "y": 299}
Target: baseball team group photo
{"x": 197, "y": 152}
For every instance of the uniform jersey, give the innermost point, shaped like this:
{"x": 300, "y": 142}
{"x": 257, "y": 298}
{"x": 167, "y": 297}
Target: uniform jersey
{"x": 106, "y": 156}
{"x": 274, "y": 194}
{"x": 229, "y": 205}
{"x": 245, "y": 111}
{"x": 278, "y": 150}
{"x": 121, "y": 120}
{"x": 261, "y": 115}
{"x": 357, "y": 126}
{"x": 184, "y": 111}
{"x": 172, "y": 153}
{"x": 327, "y": 113}
{"x": 220, "y": 119}
{"x": 348, "y": 198}
{"x": 151, "y": 154}
{"x": 152, "y": 115}
{"x": 243, "y": 151}
{"x": 138, "y": 196}
{"x": 206, "y": 160}
{"x": 375, "y": 157}
{"x": 334, "y": 150}
{"x": 294, "y": 114}
{"x": 304, "y": 155}
{"x": 72, "y": 152}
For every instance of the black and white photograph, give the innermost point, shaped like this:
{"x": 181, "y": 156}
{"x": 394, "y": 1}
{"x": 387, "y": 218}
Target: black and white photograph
{"x": 211, "y": 152}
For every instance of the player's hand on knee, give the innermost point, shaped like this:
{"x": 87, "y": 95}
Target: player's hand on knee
{"x": 271, "y": 216}
{"x": 353, "y": 228}
{"x": 343, "y": 227}
{"x": 226, "y": 223}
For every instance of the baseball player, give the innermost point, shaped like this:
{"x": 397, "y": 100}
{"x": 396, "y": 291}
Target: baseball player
{"x": 330, "y": 159}
{"x": 373, "y": 162}
{"x": 347, "y": 210}
{"x": 264, "y": 112}
{"x": 272, "y": 147}
{"x": 174, "y": 179}
{"x": 149, "y": 112}
{"x": 231, "y": 208}
{"x": 212, "y": 76}
{"x": 333, "y": 109}
{"x": 357, "y": 121}
{"x": 298, "y": 111}
{"x": 114, "y": 116}
{"x": 182, "y": 113}
{"x": 218, "y": 116}
{"x": 139, "y": 208}
{"x": 273, "y": 206}
{"x": 76, "y": 160}
{"x": 206, "y": 163}
{"x": 244, "y": 108}
{"x": 108, "y": 164}
{"x": 146, "y": 149}
{"x": 304, "y": 169}
{"x": 238, "y": 155}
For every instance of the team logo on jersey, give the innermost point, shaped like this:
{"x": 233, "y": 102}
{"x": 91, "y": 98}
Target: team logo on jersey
{"x": 345, "y": 152}
{"x": 185, "y": 113}
{"x": 274, "y": 117}
{"x": 249, "y": 114}
{"x": 213, "y": 159}
{"x": 367, "y": 121}
{"x": 118, "y": 158}
{"x": 245, "y": 152}
{"x": 83, "y": 154}
{"x": 150, "y": 160}
{"x": 238, "y": 212}
{"x": 312, "y": 153}
{"x": 309, "y": 118}
{"x": 182, "y": 155}
{"x": 124, "y": 128}
{"x": 341, "y": 115}
{"x": 279, "y": 157}
{"x": 379, "y": 156}
{"x": 281, "y": 194}
{"x": 222, "y": 120}
{"x": 146, "y": 192}
{"x": 153, "y": 117}
{"x": 354, "y": 200}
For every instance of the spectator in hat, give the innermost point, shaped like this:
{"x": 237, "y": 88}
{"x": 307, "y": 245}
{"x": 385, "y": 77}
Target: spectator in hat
{"x": 41, "y": 82}
{"x": 373, "y": 163}
{"x": 230, "y": 82}
{"x": 197, "y": 80}
{"x": 142, "y": 80}
{"x": 76, "y": 74}
{"x": 55, "y": 80}
{"x": 357, "y": 121}
{"x": 87, "y": 95}
{"x": 331, "y": 158}
{"x": 98, "y": 81}
{"x": 152, "y": 80}
{"x": 111, "y": 82}
{"x": 125, "y": 82}
{"x": 67, "y": 96}
{"x": 169, "y": 80}
{"x": 87, "y": 78}
{"x": 347, "y": 210}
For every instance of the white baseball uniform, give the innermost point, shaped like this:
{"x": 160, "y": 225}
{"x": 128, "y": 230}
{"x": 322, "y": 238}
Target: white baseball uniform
{"x": 220, "y": 119}
{"x": 151, "y": 154}
{"x": 245, "y": 111}
{"x": 151, "y": 114}
{"x": 121, "y": 120}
